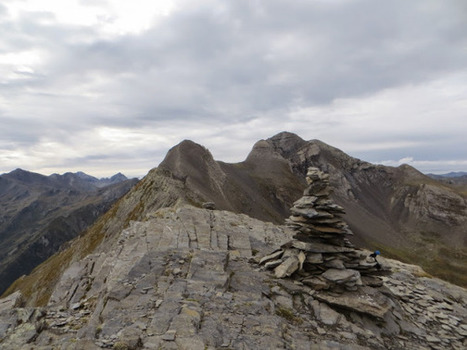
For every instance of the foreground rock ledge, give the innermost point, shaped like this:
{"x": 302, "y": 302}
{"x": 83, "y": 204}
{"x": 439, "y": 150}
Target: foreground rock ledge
{"x": 187, "y": 279}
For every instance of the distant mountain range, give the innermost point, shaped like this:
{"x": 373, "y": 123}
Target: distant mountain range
{"x": 39, "y": 213}
{"x": 451, "y": 174}
{"x": 456, "y": 180}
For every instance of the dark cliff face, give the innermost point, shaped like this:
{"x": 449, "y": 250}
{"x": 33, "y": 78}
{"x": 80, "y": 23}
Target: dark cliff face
{"x": 399, "y": 210}
{"x": 39, "y": 213}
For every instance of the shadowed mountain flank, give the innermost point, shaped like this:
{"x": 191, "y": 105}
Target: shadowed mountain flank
{"x": 39, "y": 213}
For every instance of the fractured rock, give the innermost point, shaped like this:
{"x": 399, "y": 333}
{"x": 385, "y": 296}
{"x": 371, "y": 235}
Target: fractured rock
{"x": 325, "y": 314}
{"x": 341, "y": 276}
{"x": 11, "y": 301}
{"x": 367, "y": 300}
{"x": 288, "y": 267}
{"x": 272, "y": 256}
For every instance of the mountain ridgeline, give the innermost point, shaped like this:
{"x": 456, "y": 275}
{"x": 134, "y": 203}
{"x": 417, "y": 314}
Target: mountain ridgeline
{"x": 400, "y": 211}
{"x": 39, "y": 213}
{"x": 162, "y": 270}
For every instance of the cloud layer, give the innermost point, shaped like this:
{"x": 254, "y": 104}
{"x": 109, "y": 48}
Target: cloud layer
{"x": 102, "y": 87}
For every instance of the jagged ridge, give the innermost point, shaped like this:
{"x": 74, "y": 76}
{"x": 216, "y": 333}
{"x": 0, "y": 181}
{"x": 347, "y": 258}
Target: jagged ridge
{"x": 190, "y": 276}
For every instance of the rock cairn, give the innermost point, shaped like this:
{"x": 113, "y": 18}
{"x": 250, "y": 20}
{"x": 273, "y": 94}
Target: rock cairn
{"x": 320, "y": 254}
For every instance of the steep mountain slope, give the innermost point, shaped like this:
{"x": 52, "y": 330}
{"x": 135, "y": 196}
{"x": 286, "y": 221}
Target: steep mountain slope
{"x": 263, "y": 186}
{"x": 187, "y": 278}
{"x": 398, "y": 210}
{"x": 157, "y": 271}
{"x": 39, "y": 213}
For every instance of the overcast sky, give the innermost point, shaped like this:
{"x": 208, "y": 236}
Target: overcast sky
{"x": 104, "y": 86}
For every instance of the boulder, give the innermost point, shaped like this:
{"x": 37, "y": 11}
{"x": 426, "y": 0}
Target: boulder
{"x": 366, "y": 300}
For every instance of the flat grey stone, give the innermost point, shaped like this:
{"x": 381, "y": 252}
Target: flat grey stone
{"x": 367, "y": 301}
{"x": 325, "y": 314}
{"x": 317, "y": 247}
{"x": 169, "y": 335}
{"x": 274, "y": 256}
{"x": 341, "y": 276}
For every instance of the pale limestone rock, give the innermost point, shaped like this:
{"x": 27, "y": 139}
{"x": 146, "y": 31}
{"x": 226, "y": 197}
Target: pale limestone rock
{"x": 217, "y": 301}
{"x": 325, "y": 314}
{"x": 272, "y": 264}
{"x": 13, "y": 300}
{"x": 341, "y": 276}
{"x": 314, "y": 258}
{"x": 316, "y": 283}
{"x": 287, "y": 268}
{"x": 301, "y": 259}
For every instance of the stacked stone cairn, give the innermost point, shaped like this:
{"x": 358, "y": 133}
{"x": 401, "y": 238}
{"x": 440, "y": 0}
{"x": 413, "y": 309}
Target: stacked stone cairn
{"x": 320, "y": 254}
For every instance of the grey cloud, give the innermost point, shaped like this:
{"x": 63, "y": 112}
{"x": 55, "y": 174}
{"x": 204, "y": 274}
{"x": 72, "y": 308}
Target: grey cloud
{"x": 342, "y": 52}
{"x": 3, "y": 11}
{"x": 233, "y": 62}
{"x": 14, "y": 133}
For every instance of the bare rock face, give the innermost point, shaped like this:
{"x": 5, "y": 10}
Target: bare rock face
{"x": 400, "y": 210}
{"x": 156, "y": 272}
{"x": 190, "y": 278}
{"x": 11, "y": 301}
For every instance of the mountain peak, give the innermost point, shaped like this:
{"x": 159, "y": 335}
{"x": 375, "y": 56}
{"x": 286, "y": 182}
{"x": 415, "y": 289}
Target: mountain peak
{"x": 186, "y": 154}
{"x": 26, "y": 176}
{"x": 286, "y": 143}
{"x": 118, "y": 177}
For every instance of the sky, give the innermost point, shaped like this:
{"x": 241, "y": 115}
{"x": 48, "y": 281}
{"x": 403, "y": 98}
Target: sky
{"x": 110, "y": 86}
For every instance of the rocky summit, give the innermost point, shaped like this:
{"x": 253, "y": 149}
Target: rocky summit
{"x": 191, "y": 278}
{"x": 169, "y": 266}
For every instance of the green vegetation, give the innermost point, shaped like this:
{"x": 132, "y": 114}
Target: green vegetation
{"x": 120, "y": 346}
{"x": 288, "y": 314}
{"x": 447, "y": 263}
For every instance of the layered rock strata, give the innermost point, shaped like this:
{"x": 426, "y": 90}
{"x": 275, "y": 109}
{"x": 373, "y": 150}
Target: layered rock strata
{"x": 320, "y": 252}
{"x": 184, "y": 279}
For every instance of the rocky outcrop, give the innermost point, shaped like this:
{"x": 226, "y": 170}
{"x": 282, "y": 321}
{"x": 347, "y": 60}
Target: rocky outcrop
{"x": 160, "y": 271}
{"x": 189, "y": 278}
{"x": 398, "y": 210}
